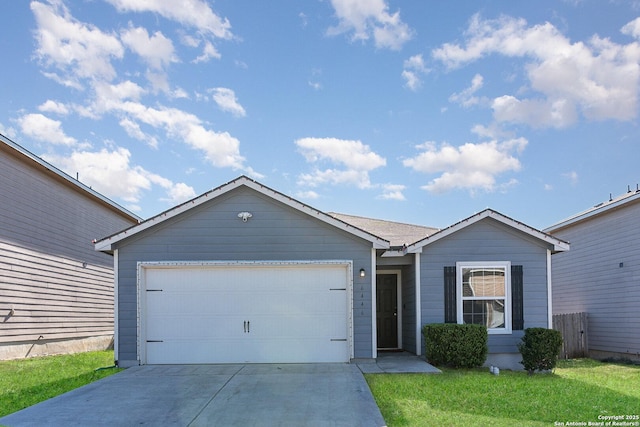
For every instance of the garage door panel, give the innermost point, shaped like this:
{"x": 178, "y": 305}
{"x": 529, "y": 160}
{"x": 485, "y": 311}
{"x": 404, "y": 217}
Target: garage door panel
{"x": 243, "y": 314}
{"x": 220, "y": 303}
{"x": 193, "y": 327}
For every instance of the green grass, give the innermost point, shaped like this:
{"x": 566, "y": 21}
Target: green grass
{"x": 578, "y": 391}
{"x": 26, "y": 382}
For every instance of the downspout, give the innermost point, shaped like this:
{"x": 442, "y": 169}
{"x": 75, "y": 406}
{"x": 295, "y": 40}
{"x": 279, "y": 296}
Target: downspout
{"x": 549, "y": 292}
{"x": 116, "y": 313}
{"x": 418, "y": 307}
{"x": 374, "y": 337}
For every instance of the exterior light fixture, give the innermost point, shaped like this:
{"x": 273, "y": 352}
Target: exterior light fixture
{"x": 362, "y": 272}
{"x": 244, "y": 216}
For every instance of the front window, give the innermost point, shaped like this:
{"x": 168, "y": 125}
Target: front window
{"x": 484, "y": 295}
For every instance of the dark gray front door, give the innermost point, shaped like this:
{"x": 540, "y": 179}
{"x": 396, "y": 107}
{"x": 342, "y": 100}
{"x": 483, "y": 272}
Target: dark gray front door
{"x": 387, "y": 310}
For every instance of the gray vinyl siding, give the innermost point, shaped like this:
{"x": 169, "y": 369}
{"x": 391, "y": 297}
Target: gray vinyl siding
{"x": 213, "y": 231}
{"x": 38, "y": 211}
{"x": 589, "y": 278}
{"x": 53, "y": 298}
{"x": 50, "y": 275}
{"x": 487, "y": 240}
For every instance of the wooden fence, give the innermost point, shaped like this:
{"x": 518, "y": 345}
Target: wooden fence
{"x": 573, "y": 327}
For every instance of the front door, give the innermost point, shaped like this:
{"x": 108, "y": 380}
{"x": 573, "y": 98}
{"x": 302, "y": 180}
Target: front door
{"x": 387, "y": 310}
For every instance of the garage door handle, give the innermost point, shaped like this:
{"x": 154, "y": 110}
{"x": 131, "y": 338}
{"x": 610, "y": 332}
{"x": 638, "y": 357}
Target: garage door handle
{"x": 248, "y": 326}
{"x": 245, "y": 326}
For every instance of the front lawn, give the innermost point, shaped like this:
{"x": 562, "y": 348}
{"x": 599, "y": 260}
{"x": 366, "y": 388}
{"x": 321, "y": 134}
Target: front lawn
{"x": 578, "y": 392}
{"x": 26, "y": 382}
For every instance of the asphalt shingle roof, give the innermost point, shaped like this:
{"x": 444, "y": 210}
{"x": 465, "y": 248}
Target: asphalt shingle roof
{"x": 397, "y": 233}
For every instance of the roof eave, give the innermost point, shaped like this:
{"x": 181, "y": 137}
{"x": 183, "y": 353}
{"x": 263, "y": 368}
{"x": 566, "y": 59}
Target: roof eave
{"x": 595, "y": 211}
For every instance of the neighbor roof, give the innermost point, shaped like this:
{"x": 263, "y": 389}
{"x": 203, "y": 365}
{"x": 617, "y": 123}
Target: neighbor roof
{"x": 601, "y": 208}
{"x": 36, "y": 162}
{"x": 398, "y": 233}
{"x": 106, "y": 244}
{"x": 558, "y": 245}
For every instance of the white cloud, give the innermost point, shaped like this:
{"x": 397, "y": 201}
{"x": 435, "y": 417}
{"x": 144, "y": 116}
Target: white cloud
{"x": 392, "y": 192}
{"x": 414, "y": 68}
{"x": 110, "y": 96}
{"x": 50, "y": 106}
{"x": 179, "y": 193}
{"x": 597, "y": 78}
{"x": 111, "y": 173}
{"x": 157, "y": 50}
{"x": 194, "y": 13}
{"x": 208, "y": 52}
{"x": 469, "y": 166}
{"x": 44, "y": 129}
{"x": 133, "y": 130}
{"x": 539, "y": 113}
{"x": 8, "y": 131}
{"x": 370, "y": 18}
{"x": 227, "y": 101}
{"x": 77, "y": 49}
{"x": 108, "y": 172}
{"x": 632, "y": 28}
{"x": 308, "y": 195}
{"x": 159, "y": 81}
{"x": 466, "y": 98}
{"x": 81, "y": 54}
{"x": 355, "y": 159}
{"x": 220, "y": 148}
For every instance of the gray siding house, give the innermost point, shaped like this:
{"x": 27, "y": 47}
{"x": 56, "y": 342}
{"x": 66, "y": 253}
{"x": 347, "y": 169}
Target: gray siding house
{"x": 601, "y": 275}
{"x": 56, "y": 290}
{"x": 245, "y": 274}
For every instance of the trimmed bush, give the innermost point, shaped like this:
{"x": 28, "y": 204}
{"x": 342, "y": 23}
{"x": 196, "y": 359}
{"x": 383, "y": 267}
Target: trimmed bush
{"x": 457, "y": 346}
{"x": 540, "y": 348}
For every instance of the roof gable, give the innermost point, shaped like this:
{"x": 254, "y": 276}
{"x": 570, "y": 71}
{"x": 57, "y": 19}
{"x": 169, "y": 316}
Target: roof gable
{"x": 557, "y": 244}
{"x": 17, "y": 151}
{"x": 106, "y": 244}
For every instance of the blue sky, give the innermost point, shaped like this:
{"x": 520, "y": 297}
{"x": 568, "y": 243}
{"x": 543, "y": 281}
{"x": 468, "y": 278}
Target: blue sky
{"x": 413, "y": 111}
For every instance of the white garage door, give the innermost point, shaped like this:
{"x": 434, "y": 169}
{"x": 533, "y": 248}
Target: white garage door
{"x": 245, "y": 313}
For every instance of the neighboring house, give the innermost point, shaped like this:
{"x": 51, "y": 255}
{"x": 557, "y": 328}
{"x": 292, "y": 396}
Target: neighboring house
{"x": 56, "y": 292}
{"x": 601, "y": 275}
{"x": 244, "y": 273}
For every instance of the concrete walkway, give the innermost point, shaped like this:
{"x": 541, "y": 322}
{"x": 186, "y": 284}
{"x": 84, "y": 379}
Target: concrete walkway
{"x": 225, "y": 395}
{"x": 397, "y": 363}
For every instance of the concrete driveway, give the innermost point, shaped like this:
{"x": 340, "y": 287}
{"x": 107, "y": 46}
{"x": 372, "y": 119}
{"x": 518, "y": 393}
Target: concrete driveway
{"x": 214, "y": 395}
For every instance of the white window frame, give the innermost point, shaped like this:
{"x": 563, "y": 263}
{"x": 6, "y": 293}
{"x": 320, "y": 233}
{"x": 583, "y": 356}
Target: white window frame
{"x": 506, "y": 265}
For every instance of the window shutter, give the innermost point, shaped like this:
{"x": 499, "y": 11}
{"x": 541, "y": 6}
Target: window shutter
{"x": 450, "y": 303}
{"x": 517, "y": 298}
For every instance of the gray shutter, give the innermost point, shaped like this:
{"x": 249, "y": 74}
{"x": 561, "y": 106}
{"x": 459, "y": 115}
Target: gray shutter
{"x": 450, "y": 303}
{"x": 517, "y": 298}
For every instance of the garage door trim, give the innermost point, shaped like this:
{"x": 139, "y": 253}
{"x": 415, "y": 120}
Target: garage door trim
{"x": 142, "y": 266}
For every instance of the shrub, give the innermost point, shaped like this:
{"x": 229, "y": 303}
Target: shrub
{"x": 458, "y": 346}
{"x": 540, "y": 348}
